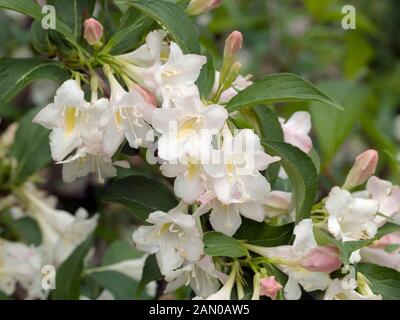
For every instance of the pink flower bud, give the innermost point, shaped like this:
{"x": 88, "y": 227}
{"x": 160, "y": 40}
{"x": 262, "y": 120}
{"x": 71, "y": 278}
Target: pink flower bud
{"x": 233, "y": 44}
{"x": 322, "y": 259}
{"x": 387, "y": 240}
{"x": 197, "y": 7}
{"x": 363, "y": 168}
{"x": 269, "y": 287}
{"x": 148, "y": 96}
{"x": 93, "y": 31}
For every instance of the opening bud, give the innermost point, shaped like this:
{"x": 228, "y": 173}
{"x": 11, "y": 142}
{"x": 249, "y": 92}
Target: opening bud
{"x": 197, "y": 7}
{"x": 233, "y": 44}
{"x": 269, "y": 287}
{"x": 363, "y": 168}
{"x": 93, "y": 31}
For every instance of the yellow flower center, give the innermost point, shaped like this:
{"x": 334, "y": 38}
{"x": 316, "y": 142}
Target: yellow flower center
{"x": 70, "y": 119}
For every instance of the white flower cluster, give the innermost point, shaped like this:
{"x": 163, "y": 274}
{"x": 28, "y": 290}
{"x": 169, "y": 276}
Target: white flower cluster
{"x": 215, "y": 169}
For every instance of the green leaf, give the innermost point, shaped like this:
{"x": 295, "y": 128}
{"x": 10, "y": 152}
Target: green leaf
{"x": 174, "y": 19}
{"x": 30, "y": 147}
{"x": 72, "y": 13}
{"x": 118, "y": 251}
{"x": 384, "y": 281}
{"x": 218, "y": 244}
{"x": 33, "y": 10}
{"x": 279, "y": 87}
{"x": 141, "y": 195}
{"x": 333, "y": 126}
{"x": 388, "y": 227}
{"x": 302, "y": 174}
{"x": 268, "y": 128}
{"x": 27, "y": 230}
{"x": 206, "y": 79}
{"x": 68, "y": 276}
{"x": 268, "y": 122}
{"x": 135, "y": 25}
{"x": 16, "y": 74}
{"x": 120, "y": 285}
{"x": 346, "y": 248}
{"x": 151, "y": 272}
{"x": 39, "y": 38}
{"x": 264, "y": 235}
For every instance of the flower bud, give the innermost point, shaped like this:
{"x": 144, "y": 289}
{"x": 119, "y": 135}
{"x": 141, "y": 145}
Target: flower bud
{"x": 197, "y": 7}
{"x": 231, "y": 75}
{"x": 93, "y": 31}
{"x": 387, "y": 240}
{"x": 322, "y": 259}
{"x": 233, "y": 44}
{"x": 269, "y": 287}
{"x": 363, "y": 168}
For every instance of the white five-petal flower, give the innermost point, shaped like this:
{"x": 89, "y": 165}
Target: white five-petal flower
{"x": 173, "y": 237}
{"x": 70, "y": 118}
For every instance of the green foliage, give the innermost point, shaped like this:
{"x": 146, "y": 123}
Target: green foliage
{"x": 134, "y": 26}
{"x": 348, "y": 247}
{"x": 16, "y": 74}
{"x": 72, "y": 12}
{"x": 118, "y": 251}
{"x": 206, "y": 79}
{"x": 218, "y": 244}
{"x": 263, "y": 234}
{"x": 31, "y": 9}
{"x": 119, "y": 285}
{"x": 172, "y": 17}
{"x": 151, "y": 272}
{"x": 140, "y": 195}
{"x": 68, "y": 278}
{"x": 384, "y": 281}
{"x": 333, "y": 126}
{"x": 281, "y": 87}
{"x": 302, "y": 173}
{"x": 30, "y": 148}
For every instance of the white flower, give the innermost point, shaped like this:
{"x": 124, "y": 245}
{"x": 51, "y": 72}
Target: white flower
{"x": 149, "y": 53}
{"x": 187, "y": 130}
{"x": 296, "y": 130}
{"x": 128, "y": 117}
{"x": 336, "y": 291}
{"x": 235, "y": 174}
{"x": 234, "y": 178}
{"x": 201, "y": 275}
{"x": 277, "y": 203}
{"x": 226, "y": 218}
{"x": 387, "y": 195}
{"x": 350, "y": 217}
{"x": 171, "y": 80}
{"x": 381, "y": 258}
{"x": 61, "y": 231}
{"x": 19, "y": 264}
{"x": 173, "y": 237}
{"x": 190, "y": 182}
{"x": 70, "y": 118}
{"x": 226, "y": 290}
{"x": 290, "y": 259}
